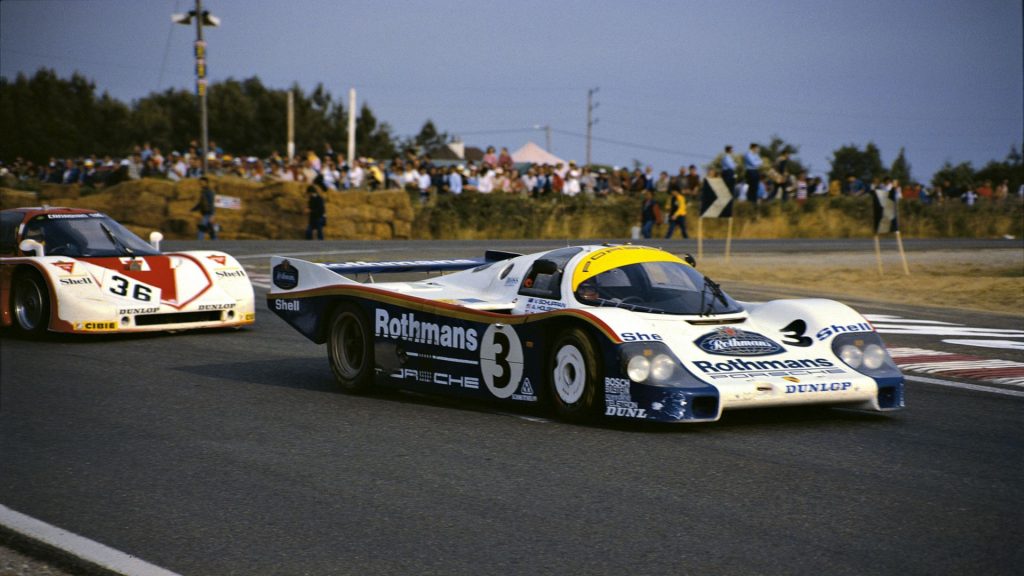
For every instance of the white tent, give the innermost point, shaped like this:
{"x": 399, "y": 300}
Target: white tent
{"x": 534, "y": 154}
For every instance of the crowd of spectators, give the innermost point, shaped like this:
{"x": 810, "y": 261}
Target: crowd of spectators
{"x": 494, "y": 173}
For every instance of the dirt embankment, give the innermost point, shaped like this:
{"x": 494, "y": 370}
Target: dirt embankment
{"x": 991, "y": 280}
{"x": 274, "y": 211}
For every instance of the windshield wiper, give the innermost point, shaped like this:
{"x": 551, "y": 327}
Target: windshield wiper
{"x": 117, "y": 241}
{"x": 716, "y": 292}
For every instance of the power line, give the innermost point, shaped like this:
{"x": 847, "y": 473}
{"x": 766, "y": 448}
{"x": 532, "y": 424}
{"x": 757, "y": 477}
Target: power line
{"x": 167, "y": 51}
{"x": 495, "y": 131}
{"x": 635, "y": 145}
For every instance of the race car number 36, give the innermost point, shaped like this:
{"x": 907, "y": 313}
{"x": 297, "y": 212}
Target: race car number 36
{"x": 132, "y": 289}
{"x": 501, "y": 360}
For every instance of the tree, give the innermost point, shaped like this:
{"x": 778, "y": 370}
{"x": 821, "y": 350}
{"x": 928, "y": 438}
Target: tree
{"x": 428, "y": 139}
{"x": 46, "y": 116}
{"x": 900, "y": 169}
{"x": 776, "y": 147}
{"x": 961, "y": 176}
{"x": 864, "y": 165}
{"x": 1011, "y": 169}
{"x": 373, "y": 140}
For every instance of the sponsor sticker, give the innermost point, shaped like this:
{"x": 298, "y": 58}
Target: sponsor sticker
{"x": 285, "y": 276}
{"x": 730, "y": 341}
{"x": 233, "y": 273}
{"x": 67, "y": 267}
{"x": 526, "y": 393}
{"x": 543, "y": 305}
{"x": 823, "y": 387}
{"x": 132, "y": 311}
{"x": 834, "y": 329}
{"x": 287, "y": 305}
{"x": 640, "y": 337}
{"x": 95, "y": 326}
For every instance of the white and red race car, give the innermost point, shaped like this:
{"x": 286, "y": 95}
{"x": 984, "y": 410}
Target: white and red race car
{"x": 78, "y": 270}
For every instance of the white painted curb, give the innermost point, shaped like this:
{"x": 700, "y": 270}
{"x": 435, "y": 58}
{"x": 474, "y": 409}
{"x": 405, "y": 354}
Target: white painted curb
{"x": 963, "y": 385}
{"x": 87, "y": 550}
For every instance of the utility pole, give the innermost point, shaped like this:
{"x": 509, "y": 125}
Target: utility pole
{"x": 291, "y": 125}
{"x": 590, "y": 117}
{"x": 351, "y": 156}
{"x": 201, "y": 19}
{"x": 547, "y": 135}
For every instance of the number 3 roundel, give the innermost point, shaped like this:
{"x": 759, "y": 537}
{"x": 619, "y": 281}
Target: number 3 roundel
{"x": 501, "y": 360}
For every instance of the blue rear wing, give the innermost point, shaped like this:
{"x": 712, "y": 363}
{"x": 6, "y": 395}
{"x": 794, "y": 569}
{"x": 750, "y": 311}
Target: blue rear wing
{"x": 427, "y": 266}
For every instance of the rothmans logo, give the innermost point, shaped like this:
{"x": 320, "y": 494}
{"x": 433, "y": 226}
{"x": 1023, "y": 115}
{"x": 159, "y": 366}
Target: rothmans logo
{"x": 732, "y": 342}
{"x": 286, "y": 276}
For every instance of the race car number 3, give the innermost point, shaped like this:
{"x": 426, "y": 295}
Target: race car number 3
{"x": 501, "y": 360}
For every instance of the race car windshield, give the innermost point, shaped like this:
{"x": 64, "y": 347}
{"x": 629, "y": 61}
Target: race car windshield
{"x": 658, "y": 287}
{"x": 83, "y": 235}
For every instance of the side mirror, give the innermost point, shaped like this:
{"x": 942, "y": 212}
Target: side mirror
{"x": 30, "y": 245}
{"x": 155, "y": 238}
{"x": 689, "y": 259}
{"x": 544, "y": 267}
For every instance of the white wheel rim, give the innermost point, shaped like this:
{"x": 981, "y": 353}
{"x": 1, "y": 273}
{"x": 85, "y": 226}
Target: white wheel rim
{"x": 570, "y": 374}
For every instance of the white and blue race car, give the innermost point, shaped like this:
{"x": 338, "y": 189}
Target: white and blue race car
{"x": 619, "y": 331}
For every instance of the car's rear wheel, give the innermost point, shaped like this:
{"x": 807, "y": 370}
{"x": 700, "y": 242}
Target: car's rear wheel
{"x": 574, "y": 375}
{"x": 30, "y": 303}
{"x": 350, "y": 349}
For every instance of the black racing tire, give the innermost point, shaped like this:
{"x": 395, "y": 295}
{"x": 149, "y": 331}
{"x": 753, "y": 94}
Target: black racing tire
{"x": 30, "y": 303}
{"x": 574, "y": 376}
{"x": 350, "y": 349}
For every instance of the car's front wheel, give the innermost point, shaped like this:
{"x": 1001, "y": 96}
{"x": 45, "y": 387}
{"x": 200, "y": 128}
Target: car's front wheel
{"x": 30, "y": 303}
{"x": 350, "y": 349}
{"x": 574, "y": 375}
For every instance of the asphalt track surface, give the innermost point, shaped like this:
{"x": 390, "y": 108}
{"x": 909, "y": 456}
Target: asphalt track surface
{"x": 231, "y": 453}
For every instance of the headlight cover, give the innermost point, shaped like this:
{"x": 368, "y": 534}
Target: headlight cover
{"x": 865, "y": 353}
{"x": 650, "y": 363}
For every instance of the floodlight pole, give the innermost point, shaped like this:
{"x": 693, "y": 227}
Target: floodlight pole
{"x": 201, "y": 84}
{"x": 201, "y": 19}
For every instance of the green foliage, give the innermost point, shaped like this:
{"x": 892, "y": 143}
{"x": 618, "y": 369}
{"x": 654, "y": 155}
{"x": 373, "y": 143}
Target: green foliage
{"x": 963, "y": 175}
{"x": 900, "y": 169}
{"x": 849, "y": 160}
{"x": 775, "y": 148}
{"x": 960, "y": 176}
{"x": 373, "y": 140}
{"x": 1011, "y": 170}
{"x": 504, "y": 216}
{"x": 46, "y": 116}
{"x": 428, "y": 139}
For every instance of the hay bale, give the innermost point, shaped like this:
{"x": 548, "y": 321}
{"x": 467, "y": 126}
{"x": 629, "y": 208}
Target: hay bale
{"x": 58, "y": 194}
{"x": 10, "y": 198}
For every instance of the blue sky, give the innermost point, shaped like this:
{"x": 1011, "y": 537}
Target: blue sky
{"x": 677, "y": 80}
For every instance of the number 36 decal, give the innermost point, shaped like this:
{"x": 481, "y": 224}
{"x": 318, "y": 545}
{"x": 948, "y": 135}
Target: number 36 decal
{"x": 128, "y": 288}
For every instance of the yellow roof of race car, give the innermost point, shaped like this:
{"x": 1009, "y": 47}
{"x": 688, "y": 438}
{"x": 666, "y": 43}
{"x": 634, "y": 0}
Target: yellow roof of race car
{"x": 615, "y": 257}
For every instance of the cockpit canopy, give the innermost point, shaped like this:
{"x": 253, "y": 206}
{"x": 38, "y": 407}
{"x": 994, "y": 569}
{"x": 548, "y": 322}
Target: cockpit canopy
{"x": 648, "y": 280}
{"x": 84, "y": 235}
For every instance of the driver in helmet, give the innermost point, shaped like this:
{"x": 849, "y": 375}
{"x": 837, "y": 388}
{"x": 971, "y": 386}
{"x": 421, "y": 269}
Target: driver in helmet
{"x": 588, "y": 292}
